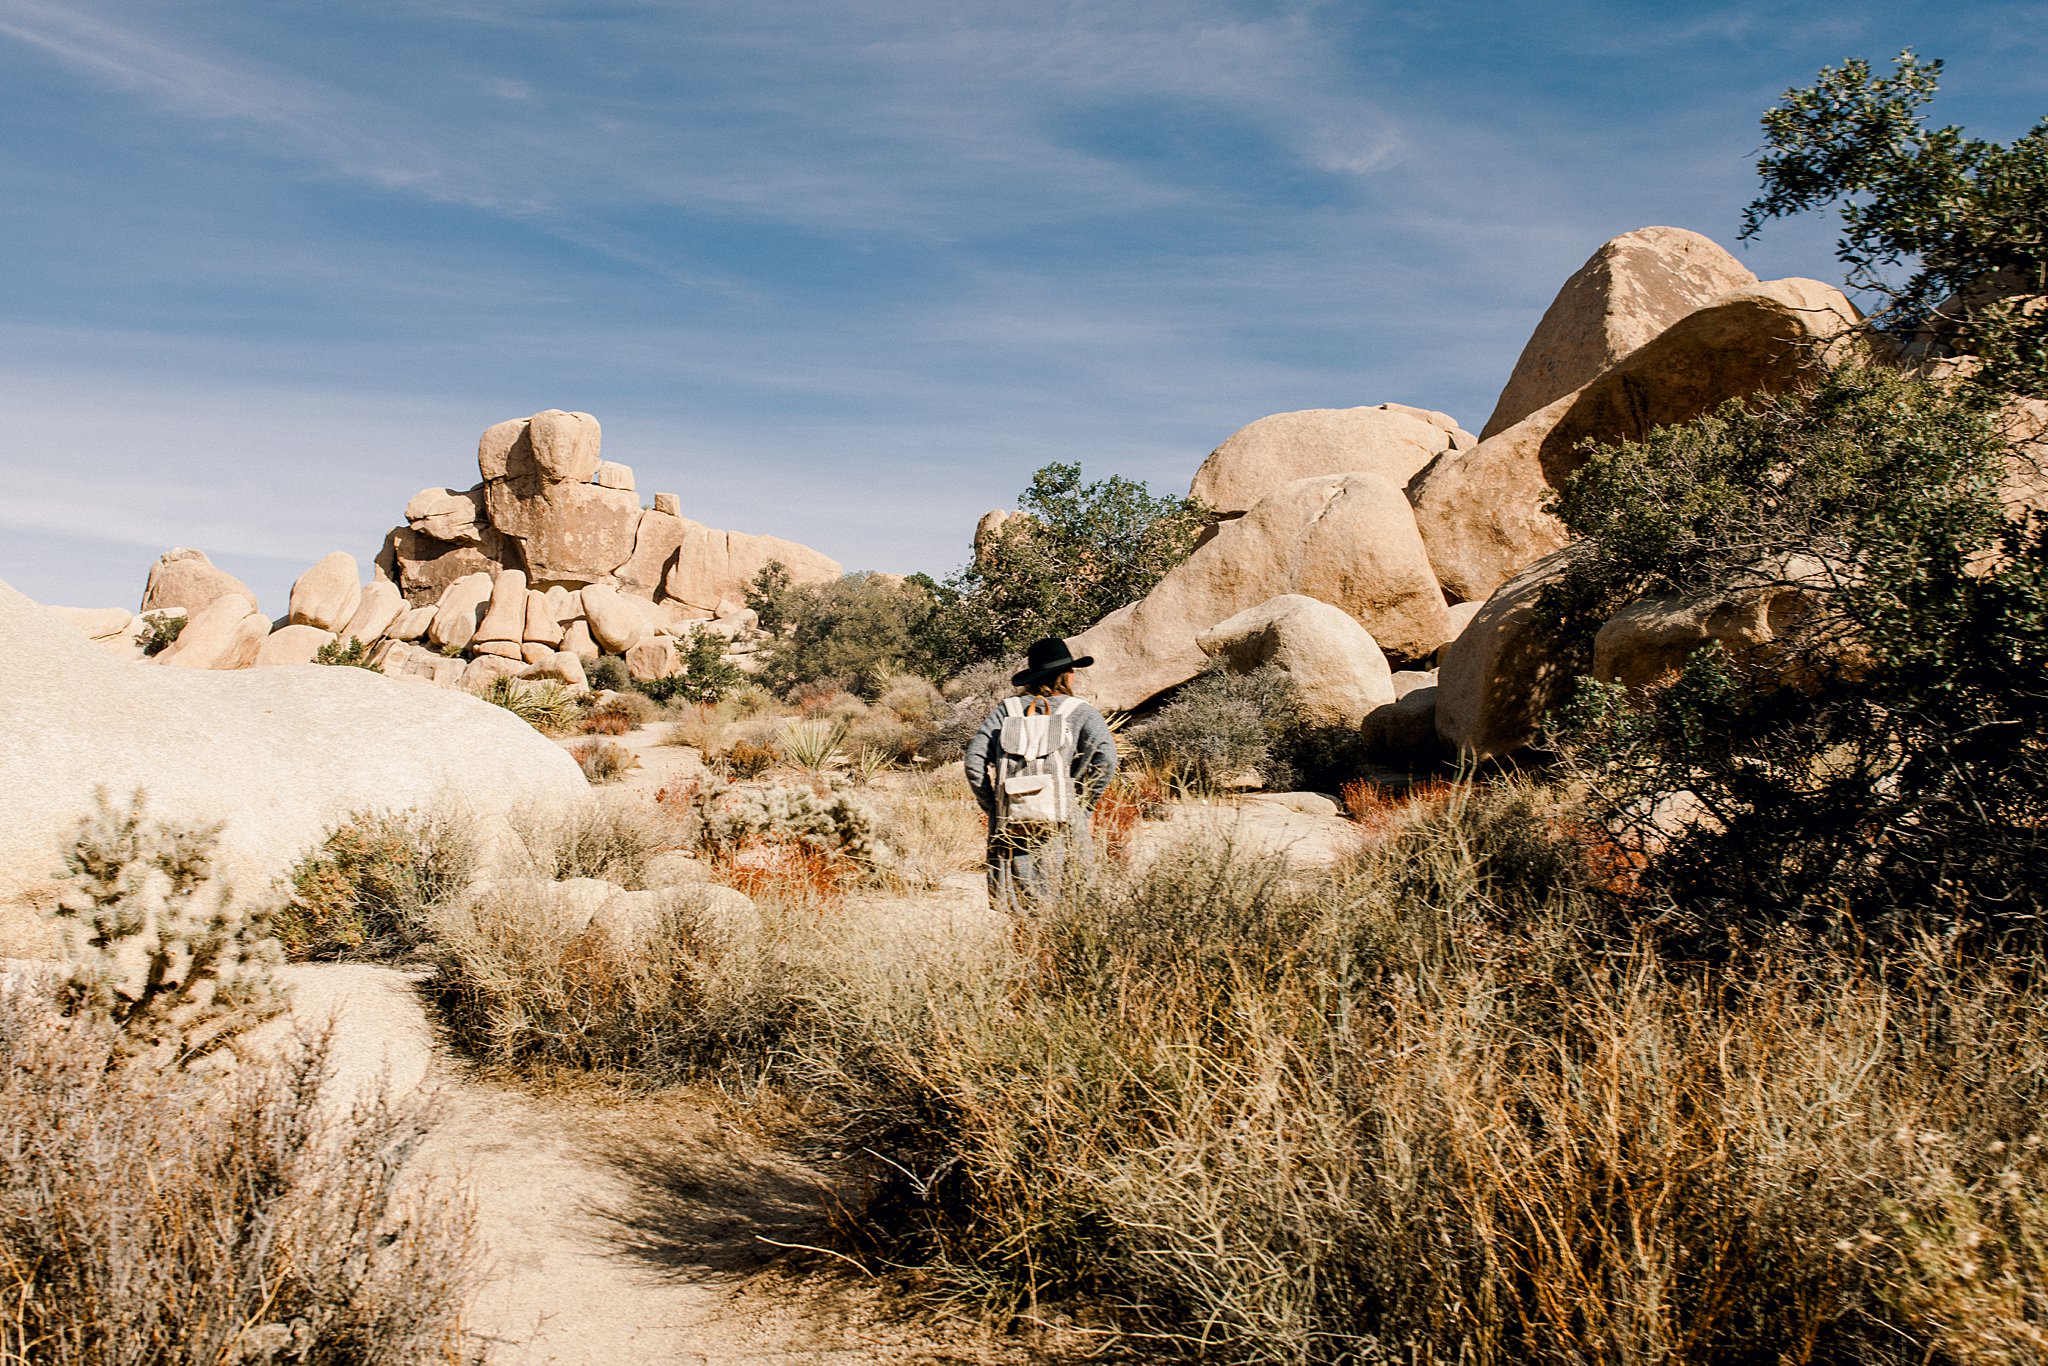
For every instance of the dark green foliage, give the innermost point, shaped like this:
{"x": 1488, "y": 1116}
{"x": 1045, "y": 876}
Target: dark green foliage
{"x": 1885, "y": 765}
{"x": 351, "y": 652}
{"x": 854, "y": 634}
{"x": 706, "y": 675}
{"x": 1079, "y": 552}
{"x": 608, "y": 674}
{"x": 768, "y": 594}
{"x": 159, "y": 630}
{"x": 1963, "y": 216}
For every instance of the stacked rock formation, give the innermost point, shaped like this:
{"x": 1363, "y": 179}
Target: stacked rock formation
{"x": 546, "y": 563}
{"x": 1433, "y": 541}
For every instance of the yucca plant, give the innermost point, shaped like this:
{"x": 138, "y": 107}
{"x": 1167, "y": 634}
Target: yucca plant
{"x": 542, "y": 704}
{"x": 812, "y": 745}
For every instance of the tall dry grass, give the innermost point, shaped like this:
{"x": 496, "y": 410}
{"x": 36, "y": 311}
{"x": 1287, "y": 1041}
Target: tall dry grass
{"x": 1428, "y": 1109}
{"x": 149, "y": 1215}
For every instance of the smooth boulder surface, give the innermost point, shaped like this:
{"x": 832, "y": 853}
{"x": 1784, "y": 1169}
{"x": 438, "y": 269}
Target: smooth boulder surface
{"x": 280, "y": 755}
{"x": 1648, "y": 642}
{"x": 713, "y": 566}
{"x": 460, "y": 610}
{"x": 1390, "y": 441}
{"x": 1632, "y": 288}
{"x": 567, "y": 533}
{"x": 1500, "y": 677}
{"x": 97, "y": 623}
{"x": 1349, "y": 541}
{"x": 423, "y": 567}
{"x": 225, "y": 634}
{"x": 1481, "y": 511}
{"x": 185, "y": 578}
{"x": 380, "y": 609}
{"x": 296, "y": 644}
{"x": 448, "y": 515}
{"x": 327, "y": 595}
{"x": 656, "y": 538}
{"x": 1338, "y": 668}
{"x": 617, "y": 622}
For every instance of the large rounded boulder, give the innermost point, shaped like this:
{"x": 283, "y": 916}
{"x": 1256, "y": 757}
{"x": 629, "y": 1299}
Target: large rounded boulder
{"x": 280, "y": 756}
{"x": 1392, "y": 441}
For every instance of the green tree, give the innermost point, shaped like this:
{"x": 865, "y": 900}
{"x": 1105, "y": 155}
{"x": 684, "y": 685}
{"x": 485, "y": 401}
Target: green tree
{"x": 1078, "y": 552}
{"x": 855, "y": 633}
{"x": 1884, "y": 767}
{"x": 1961, "y": 217}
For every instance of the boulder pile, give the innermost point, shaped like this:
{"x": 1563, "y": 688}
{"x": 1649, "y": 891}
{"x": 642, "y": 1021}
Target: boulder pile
{"x": 546, "y": 563}
{"x": 1432, "y": 543}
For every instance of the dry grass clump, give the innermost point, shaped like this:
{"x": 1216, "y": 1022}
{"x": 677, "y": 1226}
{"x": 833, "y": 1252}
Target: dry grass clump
{"x": 370, "y": 888}
{"x": 602, "y": 761}
{"x": 610, "y": 840}
{"x": 148, "y": 1215}
{"x": 545, "y": 705}
{"x": 1412, "y": 1109}
{"x": 686, "y": 980}
{"x": 930, "y": 823}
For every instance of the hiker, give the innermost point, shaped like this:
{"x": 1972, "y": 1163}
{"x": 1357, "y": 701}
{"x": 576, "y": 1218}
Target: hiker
{"x": 1037, "y": 765}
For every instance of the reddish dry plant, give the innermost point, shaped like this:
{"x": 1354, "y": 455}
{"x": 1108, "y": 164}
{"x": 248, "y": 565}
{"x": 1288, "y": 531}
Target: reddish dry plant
{"x": 607, "y": 723}
{"x": 815, "y": 699}
{"x": 679, "y": 801}
{"x": 1376, "y": 806}
{"x": 1115, "y": 820}
{"x": 790, "y": 871}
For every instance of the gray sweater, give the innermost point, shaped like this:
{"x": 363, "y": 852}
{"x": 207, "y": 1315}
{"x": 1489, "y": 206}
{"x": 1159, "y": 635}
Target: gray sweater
{"x": 1094, "y": 760}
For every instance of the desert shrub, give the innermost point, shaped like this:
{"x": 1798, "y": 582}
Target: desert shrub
{"x": 969, "y": 696}
{"x": 152, "y": 1215}
{"x": 1413, "y": 1108}
{"x": 1078, "y": 552}
{"x": 541, "y": 703}
{"x": 682, "y": 987}
{"x": 1224, "y": 724}
{"x": 350, "y": 653}
{"x": 700, "y": 726}
{"x": 610, "y": 840}
{"x": 160, "y": 630}
{"x": 615, "y": 714}
{"x": 831, "y": 821}
{"x": 705, "y": 676}
{"x": 602, "y": 761}
{"x": 932, "y": 827}
{"x": 370, "y": 888}
{"x": 1885, "y": 764}
{"x": 744, "y": 759}
{"x": 156, "y": 948}
{"x": 855, "y": 634}
{"x": 608, "y": 673}
{"x": 912, "y": 700}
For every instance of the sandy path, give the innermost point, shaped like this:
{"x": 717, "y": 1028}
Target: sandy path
{"x": 617, "y": 1229}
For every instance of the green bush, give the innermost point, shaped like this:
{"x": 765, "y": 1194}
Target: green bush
{"x": 1079, "y": 552}
{"x": 1960, "y": 215}
{"x": 160, "y": 630}
{"x": 705, "y": 676}
{"x": 608, "y": 674}
{"x": 350, "y": 652}
{"x": 768, "y": 594}
{"x": 370, "y": 889}
{"x": 1884, "y": 767}
{"x": 1222, "y": 724}
{"x": 853, "y": 634}
{"x": 542, "y": 703}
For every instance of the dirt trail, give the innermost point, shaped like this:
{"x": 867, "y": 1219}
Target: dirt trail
{"x": 618, "y": 1230}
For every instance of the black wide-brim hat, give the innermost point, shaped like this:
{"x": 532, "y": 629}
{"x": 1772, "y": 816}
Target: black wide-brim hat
{"x": 1048, "y": 659}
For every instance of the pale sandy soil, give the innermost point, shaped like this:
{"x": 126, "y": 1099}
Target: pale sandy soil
{"x": 618, "y": 1228}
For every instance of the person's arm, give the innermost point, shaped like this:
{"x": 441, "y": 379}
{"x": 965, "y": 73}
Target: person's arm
{"x": 1095, "y": 756}
{"x": 979, "y": 750}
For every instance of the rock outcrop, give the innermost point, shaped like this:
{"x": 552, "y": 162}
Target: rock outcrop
{"x": 327, "y": 595}
{"x": 1633, "y": 288}
{"x": 1500, "y": 678}
{"x": 227, "y": 633}
{"x": 305, "y": 746}
{"x": 1338, "y": 669}
{"x": 1481, "y": 511}
{"x": 1390, "y": 440}
{"x": 184, "y": 578}
{"x": 1347, "y": 540}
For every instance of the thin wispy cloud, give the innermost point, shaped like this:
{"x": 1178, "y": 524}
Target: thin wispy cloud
{"x": 800, "y": 255}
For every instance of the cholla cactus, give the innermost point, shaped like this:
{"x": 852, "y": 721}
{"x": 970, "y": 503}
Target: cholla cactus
{"x": 156, "y": 946}
{"x": 833, "y": 820}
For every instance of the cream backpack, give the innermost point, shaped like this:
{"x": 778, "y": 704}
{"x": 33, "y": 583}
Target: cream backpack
{"x": 1035, "y": 754}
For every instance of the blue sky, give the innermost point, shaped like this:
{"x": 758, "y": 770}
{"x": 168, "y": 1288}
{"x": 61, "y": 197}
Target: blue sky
{"x": 844, "y": 272}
